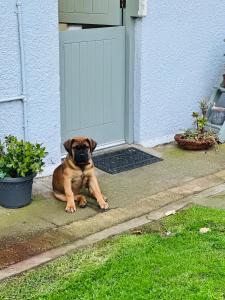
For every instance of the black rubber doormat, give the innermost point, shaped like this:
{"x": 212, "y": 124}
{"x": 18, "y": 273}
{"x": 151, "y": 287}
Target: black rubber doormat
{"x": 123, "y": 160}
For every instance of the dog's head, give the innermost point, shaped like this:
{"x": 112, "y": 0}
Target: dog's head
{"x": 80, "y": 149}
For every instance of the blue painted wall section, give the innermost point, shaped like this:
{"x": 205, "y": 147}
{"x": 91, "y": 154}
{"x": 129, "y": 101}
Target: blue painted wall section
{"x": 180, "y": 45}
{"x": 40, "y": 28}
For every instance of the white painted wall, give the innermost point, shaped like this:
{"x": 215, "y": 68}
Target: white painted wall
{"x": 179, "y": 56}
{"x": 40, "y": 28}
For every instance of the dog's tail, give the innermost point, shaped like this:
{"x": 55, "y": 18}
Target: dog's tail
{"x": 61, "y": 197}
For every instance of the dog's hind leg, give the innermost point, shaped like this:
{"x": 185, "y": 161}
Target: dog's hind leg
{"x": 70, "y": 206}
{"x": 78, "y": 198}
{"x": 61, "y": 197}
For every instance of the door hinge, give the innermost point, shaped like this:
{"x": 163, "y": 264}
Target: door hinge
{"x": 122, "y": 3}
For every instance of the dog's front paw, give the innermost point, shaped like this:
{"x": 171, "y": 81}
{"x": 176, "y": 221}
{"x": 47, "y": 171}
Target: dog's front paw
{"x": 70, "y": 208}
{"x": 104, "y": 205}
{"x": 105, "y": 198}
{"x": 82, "y": 201}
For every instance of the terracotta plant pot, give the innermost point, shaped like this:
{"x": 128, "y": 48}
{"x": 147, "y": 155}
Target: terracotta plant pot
{"x": 187, "y": 144}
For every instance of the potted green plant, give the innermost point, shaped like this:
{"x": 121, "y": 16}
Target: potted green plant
{"x": 198, "y": 138}
{"x": 20, "y": 161}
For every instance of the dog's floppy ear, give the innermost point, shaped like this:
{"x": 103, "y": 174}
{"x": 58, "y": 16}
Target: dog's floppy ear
{"x": 67, "y": 144}
{"x": 92, "y": 144}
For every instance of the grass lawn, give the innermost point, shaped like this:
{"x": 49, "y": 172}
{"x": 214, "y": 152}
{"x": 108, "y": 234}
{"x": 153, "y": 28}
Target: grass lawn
{"x": 182, "y": 264}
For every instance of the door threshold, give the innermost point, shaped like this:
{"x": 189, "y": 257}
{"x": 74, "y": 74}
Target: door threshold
{"x": 109, "y": 145}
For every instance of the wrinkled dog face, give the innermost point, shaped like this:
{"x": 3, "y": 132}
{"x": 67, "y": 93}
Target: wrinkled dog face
{"x": 80, "y": 152}
{"x": 80, "y": 149}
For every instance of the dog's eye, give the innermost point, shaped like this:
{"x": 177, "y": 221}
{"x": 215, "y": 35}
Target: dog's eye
{"x": 79, "y": 147}
{"x": 76, "y": 147}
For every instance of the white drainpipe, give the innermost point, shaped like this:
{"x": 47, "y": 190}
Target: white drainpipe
{"x": 21, "y": 97}
{"x": 23, "y": 71}
{"x": 12, "y": 99}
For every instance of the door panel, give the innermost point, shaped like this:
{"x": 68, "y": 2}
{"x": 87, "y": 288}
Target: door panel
{"x": 83, "y": 6}
{"x": 100, "y": 6}
{"x": 105, "y": 12}
{"x": 66, "y": 6}
{"x": 92, "y": 63}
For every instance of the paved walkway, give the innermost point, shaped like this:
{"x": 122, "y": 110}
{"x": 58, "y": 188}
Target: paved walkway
{"x": 181, "y": 177}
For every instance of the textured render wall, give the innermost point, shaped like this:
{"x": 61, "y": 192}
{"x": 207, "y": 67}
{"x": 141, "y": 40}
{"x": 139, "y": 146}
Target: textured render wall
{"x": 180, "y": 56}
{"x": 40, "y": 28}
{"x": 10, "y": 113}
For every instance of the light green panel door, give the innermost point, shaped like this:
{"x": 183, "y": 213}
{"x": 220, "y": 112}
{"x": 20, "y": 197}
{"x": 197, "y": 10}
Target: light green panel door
{"x": 92, "y": 63}
{"x": 105, "y": 12}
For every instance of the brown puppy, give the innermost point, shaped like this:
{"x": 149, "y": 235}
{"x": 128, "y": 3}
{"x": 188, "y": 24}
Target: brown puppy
{"x": 76, "y": 172}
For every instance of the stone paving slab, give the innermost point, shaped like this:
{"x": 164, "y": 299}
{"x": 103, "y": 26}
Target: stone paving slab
{"x": 220, "y": 174}
{"x": 203, "y": 183}
{"x": 213, "y": 197}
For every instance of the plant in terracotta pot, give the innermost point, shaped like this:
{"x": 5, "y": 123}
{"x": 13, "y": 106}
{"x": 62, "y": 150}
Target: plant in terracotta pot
{"x": 198, "y": 138}
{"x": 20, "y": 161}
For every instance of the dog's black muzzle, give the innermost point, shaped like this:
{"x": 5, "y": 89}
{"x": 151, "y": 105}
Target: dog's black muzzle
{"x": 81, "y": 156}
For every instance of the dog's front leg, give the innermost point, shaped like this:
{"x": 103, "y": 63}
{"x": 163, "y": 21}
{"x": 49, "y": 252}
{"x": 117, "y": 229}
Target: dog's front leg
{"x": 94, "y": 189}
{"x": 70, "y": 206}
